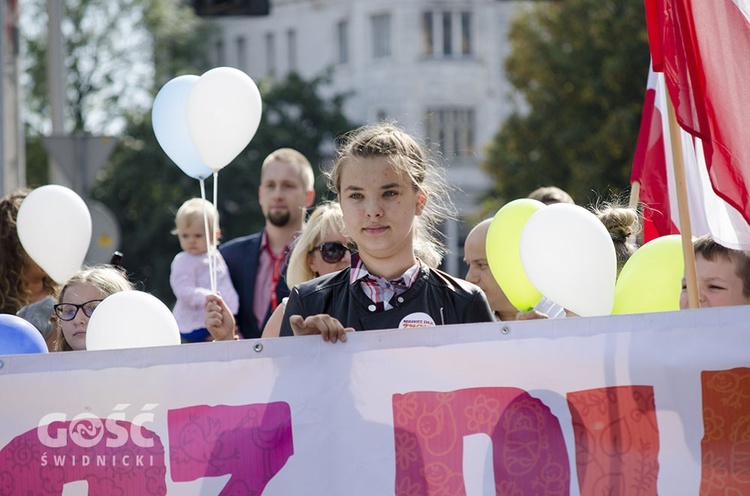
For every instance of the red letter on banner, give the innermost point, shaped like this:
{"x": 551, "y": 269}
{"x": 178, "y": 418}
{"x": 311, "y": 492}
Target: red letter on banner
{"x": 251, "y": 442}
{"x": 617, "y": 440}
{"x": 42, "y": 460}
{"x": 528, "y": 448}
{"x": 725, "y": 448}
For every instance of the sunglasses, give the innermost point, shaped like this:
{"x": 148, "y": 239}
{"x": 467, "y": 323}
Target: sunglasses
{"x": 68, "y": 311}
{"x": 331, "y": 251}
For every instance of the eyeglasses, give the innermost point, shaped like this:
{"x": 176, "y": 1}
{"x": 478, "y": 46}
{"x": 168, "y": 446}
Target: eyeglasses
{"x": 331, "y": 251}
{"x": 68, "y": 311}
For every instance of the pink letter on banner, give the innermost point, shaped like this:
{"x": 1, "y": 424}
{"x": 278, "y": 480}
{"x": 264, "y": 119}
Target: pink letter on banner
{"x": 251, "y": 442}
{"x": 528, "y": 448}
{"x": 617, "y": 440}
{"x": 725, "y": 448}
{"x": 29, "y": 466}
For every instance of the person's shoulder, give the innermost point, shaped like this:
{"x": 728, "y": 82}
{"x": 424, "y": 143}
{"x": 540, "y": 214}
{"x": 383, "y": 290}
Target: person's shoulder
{"x": 440, "y": 278}
{"x": 185, "y": 256}
{"x": 181, "y": 258}
{"x": 323, "y": 283}
{"x": 185, "y": 261}
{"x": 241, "y": 242}
{"x": 468, "y": 297}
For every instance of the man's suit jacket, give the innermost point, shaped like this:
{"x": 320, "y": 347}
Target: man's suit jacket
{"x": 241, "y": 256}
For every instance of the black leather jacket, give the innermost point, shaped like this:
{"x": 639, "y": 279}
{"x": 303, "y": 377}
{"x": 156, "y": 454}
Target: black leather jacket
{"x": 435, "y": 298}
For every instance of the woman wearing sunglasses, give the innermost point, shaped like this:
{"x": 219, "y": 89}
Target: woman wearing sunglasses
{"x": 321, "y": 249}
{"x": 78, "y": 299}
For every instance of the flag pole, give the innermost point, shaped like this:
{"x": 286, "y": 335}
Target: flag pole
{"x": 675, "y": 140}
{"x": 635, "y": 200}
{"x": 635, "y": 194}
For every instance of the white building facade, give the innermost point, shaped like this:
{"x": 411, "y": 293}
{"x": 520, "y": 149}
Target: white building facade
{"x": 433, "y": 66}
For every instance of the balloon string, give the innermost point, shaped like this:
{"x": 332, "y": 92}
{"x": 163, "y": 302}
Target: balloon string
{"x": 214, "y": 235}
{"x": 211, "y": 271}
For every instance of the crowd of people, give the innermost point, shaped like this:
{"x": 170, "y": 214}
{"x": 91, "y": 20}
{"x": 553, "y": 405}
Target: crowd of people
{"x": 368, "y": 260}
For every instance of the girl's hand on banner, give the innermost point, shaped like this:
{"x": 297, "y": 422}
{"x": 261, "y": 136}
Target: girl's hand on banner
{"x": 329, "y": 328}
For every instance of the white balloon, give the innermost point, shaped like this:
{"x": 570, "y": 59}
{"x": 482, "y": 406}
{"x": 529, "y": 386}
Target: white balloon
{"x": 569, "y": 257}
{"x": 223, "y": 114}
{"x": 54, "y": 227}
{"x": 131, "y": 319}
{"x": 170, "y": 126}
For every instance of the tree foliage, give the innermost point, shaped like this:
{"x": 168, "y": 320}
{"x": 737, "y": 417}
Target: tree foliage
{"x": 580, "y": 67}
{"x": 108, "y": 66}
{"x": 143, "y": 188}
{"x": 178, "y": 35}
{"x": 118, "y": 53}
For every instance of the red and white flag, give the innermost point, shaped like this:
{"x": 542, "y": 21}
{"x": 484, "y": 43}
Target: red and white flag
{"x": 711, "y": 102}
{"x": 653, "y": 168}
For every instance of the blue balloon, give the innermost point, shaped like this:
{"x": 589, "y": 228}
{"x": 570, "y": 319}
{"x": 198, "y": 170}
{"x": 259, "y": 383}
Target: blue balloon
{"x": 18, "y": 336}
{"x": 169, "y": 120}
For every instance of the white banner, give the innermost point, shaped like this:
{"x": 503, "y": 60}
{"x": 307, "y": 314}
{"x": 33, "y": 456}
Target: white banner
{"x": 641, "y": 404}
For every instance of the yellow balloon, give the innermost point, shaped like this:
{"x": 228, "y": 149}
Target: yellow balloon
{"x": 651, "y": 279}
{"x": 504, "y": 252}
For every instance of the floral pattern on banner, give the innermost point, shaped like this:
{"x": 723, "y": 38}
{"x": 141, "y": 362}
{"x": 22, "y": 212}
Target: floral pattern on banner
{"x": 725, "y": 447}
{"x": 528, "y": 449}
{"x": 115, "y": 458}
{"x": 250, "y": 442}
{"x": 617, "y": 440}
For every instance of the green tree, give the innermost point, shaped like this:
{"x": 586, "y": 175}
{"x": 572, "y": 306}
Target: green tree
{"x": 580, "y": 67}
{"x": 143, "y": 188}
{"x": 37, "y": 169}
{"x": 178, "y": 36}
{"x": 107, "y": 64}
{"x": 117, "y": 53}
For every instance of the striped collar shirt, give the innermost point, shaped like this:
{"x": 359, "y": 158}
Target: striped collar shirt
{"x": 379, "y": 290}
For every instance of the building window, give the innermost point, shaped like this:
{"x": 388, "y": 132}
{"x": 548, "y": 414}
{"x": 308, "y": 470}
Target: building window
{"x": 270, "y": 53}
{"x": 428, "y": 37}
{"x": 241, "y": 52}
{"x": 447, "y": 33}
{"x": 381, "y": 36}
{"x": 291, "y": 44}
{"x": 466, "y": 48}
{"x": 452, "y": 130}
{"x": 342, "y": 34}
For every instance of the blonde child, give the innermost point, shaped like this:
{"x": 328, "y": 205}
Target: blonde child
{"x": 189, "y": 274}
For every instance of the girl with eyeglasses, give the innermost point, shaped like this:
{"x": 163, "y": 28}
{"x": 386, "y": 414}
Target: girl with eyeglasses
{"x": 78, "y": 299}
{"x": 321, "y": 249}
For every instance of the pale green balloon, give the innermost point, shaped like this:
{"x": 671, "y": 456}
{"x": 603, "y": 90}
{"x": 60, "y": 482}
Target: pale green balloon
{"x": 504, "y": 253}
{"x": 651, "y": 279}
